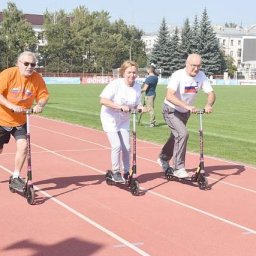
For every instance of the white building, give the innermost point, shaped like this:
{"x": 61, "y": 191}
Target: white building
{"x": 230, "y": 40}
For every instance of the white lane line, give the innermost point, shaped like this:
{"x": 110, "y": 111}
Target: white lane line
{"x": 209, "y": 178}
{"x": 147, "y": 159}
{"x": 161, "y": 196}
{"x": 122, "y": 245}
{"x": 155, "y": 145}
{"x": 89, "y": 220}
{"x": 106, "y": 147}
{"x": 69, "y": 136}
{"x": 252, "y": 231}
{"x": 233, "y": 185}
{"x": 149, "y": 142}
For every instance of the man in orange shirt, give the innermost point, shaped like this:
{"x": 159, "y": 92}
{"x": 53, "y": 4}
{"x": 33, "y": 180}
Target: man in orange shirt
{"x": 20, "y": 86}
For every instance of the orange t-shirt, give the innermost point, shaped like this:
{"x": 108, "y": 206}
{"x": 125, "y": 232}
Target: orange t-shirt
{"x": 21, "y": 91}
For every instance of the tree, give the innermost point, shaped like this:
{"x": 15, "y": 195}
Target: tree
{"x": 230, "y": 66}
{"x": 58, "y": 53}
{"x": 230, "y": 25}
{"x": 185, "y": 43}
{"x": 176, "y": 60}
{"x": 161, "y": 55}
{"x": 17, "y": 35}
{"x": 89, "y": 42}
{"x": 195, "y": 41}
{"x": 208, "y": 47}
{"x": 132, "y": 43}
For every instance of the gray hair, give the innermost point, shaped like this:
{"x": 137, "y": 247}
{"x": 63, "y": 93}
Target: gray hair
{"x": 27, "y": 53}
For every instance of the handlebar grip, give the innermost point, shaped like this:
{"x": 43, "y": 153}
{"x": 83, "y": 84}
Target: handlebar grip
{"x": 133, "y": 110}
{"x": 25, "y": 111}
{"x": 200, "y": 111}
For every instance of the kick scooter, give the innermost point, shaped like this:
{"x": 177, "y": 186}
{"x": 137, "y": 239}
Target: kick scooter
{"x": 25, "y": 186}
{"x": 198, "y": 175}
{"x": 132, "y": 181}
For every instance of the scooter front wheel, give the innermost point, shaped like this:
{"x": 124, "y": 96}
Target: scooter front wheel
{"x": 203, "y": 183}
{"x": 134, "y": 186}
{"x": 30, "y": 195}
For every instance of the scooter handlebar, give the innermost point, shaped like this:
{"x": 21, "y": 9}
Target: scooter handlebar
{"x": 200, "y": 111}
{"x": 25, "y": 111}
{"x": 133, "y": 110}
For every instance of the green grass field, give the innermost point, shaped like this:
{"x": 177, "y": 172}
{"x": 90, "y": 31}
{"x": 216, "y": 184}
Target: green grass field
{"x": 229, "y": 132}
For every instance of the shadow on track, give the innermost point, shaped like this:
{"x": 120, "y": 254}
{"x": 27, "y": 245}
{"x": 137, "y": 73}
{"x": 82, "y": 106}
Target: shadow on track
{"x": 77, "y": 182}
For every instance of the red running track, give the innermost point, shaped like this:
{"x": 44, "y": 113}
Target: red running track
{"x": 77, "y": 213}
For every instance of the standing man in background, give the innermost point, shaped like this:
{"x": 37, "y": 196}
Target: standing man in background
{"x": 149, "y": 87}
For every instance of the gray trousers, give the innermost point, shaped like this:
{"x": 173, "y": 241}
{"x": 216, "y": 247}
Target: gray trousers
{"x": 176, "y": 145}
{"x": 120, "y": 148}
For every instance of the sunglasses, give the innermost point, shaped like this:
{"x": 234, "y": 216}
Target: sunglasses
{"x": 26, "y": 64}
{"x": 195, "y": 66}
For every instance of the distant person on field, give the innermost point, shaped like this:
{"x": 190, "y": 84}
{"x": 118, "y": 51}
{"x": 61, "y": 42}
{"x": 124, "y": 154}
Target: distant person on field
{"x": 149, "y": 87}
{"x": 117, "y": 99}
{"x": 20, "y": 86}
{"x": 178, "y": 105}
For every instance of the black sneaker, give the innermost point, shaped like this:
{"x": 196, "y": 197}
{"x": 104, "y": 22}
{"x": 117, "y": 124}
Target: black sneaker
{"x": 164, "y": 164}
{"x": 17, "y": 183}
{"x": 117, "y": 177}
{"x": 126, "y": 175}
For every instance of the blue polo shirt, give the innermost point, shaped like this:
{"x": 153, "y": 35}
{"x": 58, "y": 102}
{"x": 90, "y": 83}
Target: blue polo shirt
{"x": 152, "y": 83}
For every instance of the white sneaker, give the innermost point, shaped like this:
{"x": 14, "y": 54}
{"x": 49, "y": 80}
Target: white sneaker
{"x": 181, "y": 173}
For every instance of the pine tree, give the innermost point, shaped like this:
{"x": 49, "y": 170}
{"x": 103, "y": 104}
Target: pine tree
{"x": 186, "y": 42}
{"x": 195, "y": 36}
{"x": 176, "y": 54}
{"x": 209, "y": 47}
{"x": 161, "y": 51}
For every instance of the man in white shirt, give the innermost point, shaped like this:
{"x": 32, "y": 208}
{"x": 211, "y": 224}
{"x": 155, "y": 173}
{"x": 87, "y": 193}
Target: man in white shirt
{"x": 178, "y": 105}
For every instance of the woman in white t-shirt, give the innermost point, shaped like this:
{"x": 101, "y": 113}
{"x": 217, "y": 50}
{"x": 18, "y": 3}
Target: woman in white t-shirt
{"x": 117, "y": 99}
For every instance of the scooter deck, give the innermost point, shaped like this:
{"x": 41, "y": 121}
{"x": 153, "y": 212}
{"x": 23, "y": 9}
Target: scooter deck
{"x": 195, "y": 178}
{"x": 114, "y": 181}
{"x": 131, "y": 182}
{"x": 109, "y": 177}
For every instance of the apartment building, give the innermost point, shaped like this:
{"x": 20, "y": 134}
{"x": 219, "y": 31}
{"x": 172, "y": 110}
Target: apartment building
{"x": 231, "y": 41}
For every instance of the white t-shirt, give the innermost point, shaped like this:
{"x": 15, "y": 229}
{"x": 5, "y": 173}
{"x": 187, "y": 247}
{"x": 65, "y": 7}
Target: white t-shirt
{"x": 186, "y": 87}
{"x": 119, "y": 92}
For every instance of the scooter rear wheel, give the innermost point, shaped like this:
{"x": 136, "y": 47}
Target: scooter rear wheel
{"x": 134, "y": 186}
{"x": 169, "y": 173}
{"x": 10, "y": 187}
{"x": 203, "y": 183}
{"x": 108, "y": 178}
{"x": 30, "y": 195}
{"x": 12, "y": 190}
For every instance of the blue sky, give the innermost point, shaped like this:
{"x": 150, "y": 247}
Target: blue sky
{"x": 148, "y": 14}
